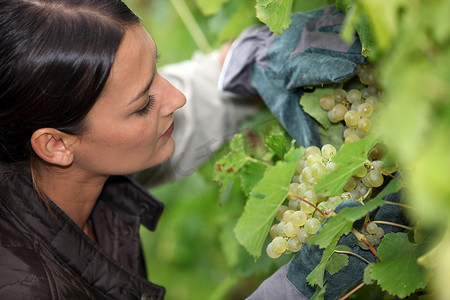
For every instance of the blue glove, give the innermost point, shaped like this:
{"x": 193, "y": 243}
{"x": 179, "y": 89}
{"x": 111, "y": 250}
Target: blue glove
{"x": 278, "y": 68}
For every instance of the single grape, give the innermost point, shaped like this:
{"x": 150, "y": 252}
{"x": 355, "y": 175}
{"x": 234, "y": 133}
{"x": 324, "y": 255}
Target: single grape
{"x": 280, "y": 212}
{"x": 287, "y": 215}
{"x": 299, "y": 218}
{"x": 362, "y": 245}
{"x": 270, "y": 251}
{"x": 331, "y": 117}
{"x": 372, "y": 228}
{"x": 373, "y": 101}
{"x": 351, "y": 138}
{"x": 328, "y": 151}
{"x": 365, "y": 110}
{"x": 365, "y": 93}
{"x": 340, "y": 95}
{"x": 313, "y": 158}
{"x": 296, "y": 179}
{"x": 378, "y": 151}
{"x": 334, "y": 201}
{"x": 302, "y": 235}
{"x": 312, "y": 149}
{"x": 371, "y": 239}
{"x": 306, "y": 208}
{"x": 293, "y": 187}
{"x": 361, "y": 172}
{"x": 375, "y": 178}
{"x": 318, "y": 169}
{"x": 361, "y": 134}
{"x": 361, "y": 188}
{"x": 280, "y": 228}
{"x": 364, "y": 124}
{"x": 352, "y": 118}
{"x": 323, "y": 206}
{"x": 379, "y": 233}
{"x": 353, "y": 96}
{"x": 294, "y": 204}
{"x": 301, "y": 165}
{"x": 355, "y": 194}
{"x": 349, "y": 131}
{"x": 273, "y": 233}
{"x": 327, "y": 102}
{"x": 355, "y": 105}
{"x": 310, "y": 196}
{"x": 279, "y": 244}
{"x": 302, "y": 188}
{"x": 350, "y": 185}
{"x": 365, "y": 181}
{"x": 339, "y": 111}
{"x": 318, "y": 216}
{"x": 373, "y": 90}
{"x": 307, "y": 174}
{"x": 330, "y": 167}
{"x": 294, "y": 244}
{"x": 312, "y": 225}
{"x": 377, "y": 164}
{"x": 290, "y": 229}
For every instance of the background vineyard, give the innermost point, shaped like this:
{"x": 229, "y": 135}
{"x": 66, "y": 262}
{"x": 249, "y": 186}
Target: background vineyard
{"x": 194, "y": 253}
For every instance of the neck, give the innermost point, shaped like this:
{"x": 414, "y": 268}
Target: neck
{"x": 73, "y": 192}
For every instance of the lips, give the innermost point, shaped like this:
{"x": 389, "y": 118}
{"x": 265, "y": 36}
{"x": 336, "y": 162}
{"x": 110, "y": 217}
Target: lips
{"x": 168, "y": 132}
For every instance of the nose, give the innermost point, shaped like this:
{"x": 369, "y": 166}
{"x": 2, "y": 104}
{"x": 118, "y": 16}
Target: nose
{"x": 174, "y": 98}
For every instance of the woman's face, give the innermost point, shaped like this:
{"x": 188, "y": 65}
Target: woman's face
{"x": 129, "y": 127}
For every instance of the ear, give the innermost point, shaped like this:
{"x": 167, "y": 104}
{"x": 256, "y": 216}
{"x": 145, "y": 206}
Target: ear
{"x": 53, "y": 146}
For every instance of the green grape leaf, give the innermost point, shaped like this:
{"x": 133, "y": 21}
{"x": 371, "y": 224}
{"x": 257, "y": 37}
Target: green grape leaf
{"x": 317, "y": 275}
{"x": 263, "y": 202}
{"x": 332, "y": 135}
{"x": 226, "y": 168}
{"x": 319, "y": 293}
{"x": 349, "y": 158}
{"x": 276, "y": 14}
{"x": 277, "y": 144}
{"x": 208, "y": 7}
{"x": 399, "y": 272}
{"x": 368, "y": 275}
{"x": 337, "y": 260}
{"x": 311, "y": 105}
{"x": 342, "y": 222}
{"x": 251, "y": 173}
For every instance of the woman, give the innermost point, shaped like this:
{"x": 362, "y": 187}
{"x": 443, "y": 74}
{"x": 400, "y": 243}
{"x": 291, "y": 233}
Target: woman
{"x": 80, "y": 100}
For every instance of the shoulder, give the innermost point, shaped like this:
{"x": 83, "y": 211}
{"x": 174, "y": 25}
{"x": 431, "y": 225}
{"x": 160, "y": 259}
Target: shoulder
{"x": 22, "y": 273}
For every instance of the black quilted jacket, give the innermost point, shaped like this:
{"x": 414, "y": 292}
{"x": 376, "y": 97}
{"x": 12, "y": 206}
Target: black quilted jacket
{"x": 45, "y": 255}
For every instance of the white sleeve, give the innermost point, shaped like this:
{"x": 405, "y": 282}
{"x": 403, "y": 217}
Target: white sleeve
{"x": 207, "y": 120}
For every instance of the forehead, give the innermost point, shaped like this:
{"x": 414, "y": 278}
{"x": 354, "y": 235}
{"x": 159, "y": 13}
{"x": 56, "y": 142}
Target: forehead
{"x": 134, "y": 64}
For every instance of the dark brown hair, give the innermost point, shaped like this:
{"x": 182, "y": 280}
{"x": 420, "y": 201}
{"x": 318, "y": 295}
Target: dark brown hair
{"x": 55, "y": 58}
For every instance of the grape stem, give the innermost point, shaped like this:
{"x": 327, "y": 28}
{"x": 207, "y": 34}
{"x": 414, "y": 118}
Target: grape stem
{"x": 354, "y": 254}
{"x": 394, "y": 224}
{"x": 258, "y": 161}
{"x": 399, "y": 204}
{"x": 352, "y": 291}
{"x": 363, "y": 239}
{"x": 325, "y": 215}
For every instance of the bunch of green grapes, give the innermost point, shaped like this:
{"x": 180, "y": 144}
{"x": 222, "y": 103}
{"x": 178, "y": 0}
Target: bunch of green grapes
{"x": 305, "y": 211}
{"x": 354, "y": 107}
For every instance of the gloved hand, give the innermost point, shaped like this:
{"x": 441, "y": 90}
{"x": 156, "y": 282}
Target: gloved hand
{"x": 278, "y": 68}
{"x": 310, "y": 255}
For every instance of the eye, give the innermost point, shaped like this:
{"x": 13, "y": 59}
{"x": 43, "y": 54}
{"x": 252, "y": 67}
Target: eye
{"x": 145, "y": 110}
